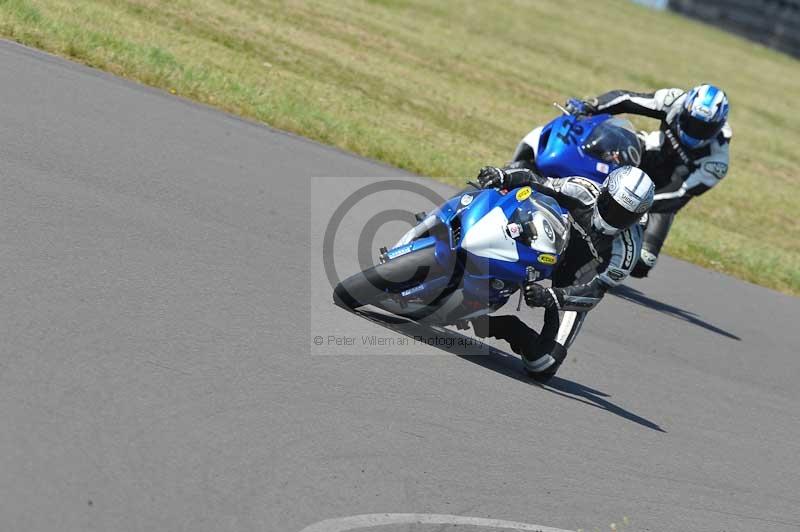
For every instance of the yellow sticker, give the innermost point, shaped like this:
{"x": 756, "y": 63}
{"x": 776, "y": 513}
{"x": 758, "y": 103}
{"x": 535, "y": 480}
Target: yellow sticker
{"x": 545, "y": 258}
{"x": 523, "y": 193}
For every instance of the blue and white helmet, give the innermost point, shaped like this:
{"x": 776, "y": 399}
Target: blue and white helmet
{"x": 704, "y": 112}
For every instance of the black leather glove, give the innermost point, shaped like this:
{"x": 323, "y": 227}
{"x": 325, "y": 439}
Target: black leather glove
{"x": 538, "y": 296}
{"x": 580, "y": 107}
{"x": 491, "y": 176}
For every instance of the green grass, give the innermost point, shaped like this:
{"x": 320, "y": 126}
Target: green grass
{"x": 442, "y": 88}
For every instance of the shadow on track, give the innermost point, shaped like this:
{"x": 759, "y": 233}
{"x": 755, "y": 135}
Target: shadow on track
{"x": 634, "y": 296}
{"x": 498, "y": 361}
{"x": 586, "y": 395}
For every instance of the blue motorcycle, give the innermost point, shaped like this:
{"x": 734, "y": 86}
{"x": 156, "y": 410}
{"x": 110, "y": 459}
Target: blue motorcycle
{"x": 465, "y": 259}
{"x": 587, "y": 146}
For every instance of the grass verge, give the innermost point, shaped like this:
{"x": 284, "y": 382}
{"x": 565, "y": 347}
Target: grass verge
{"x": 442, "y": 88}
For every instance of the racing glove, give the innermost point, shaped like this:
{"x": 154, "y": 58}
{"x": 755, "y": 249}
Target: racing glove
{"x": 491, "y": 176}
{"x": 538, "y": 296}
{"x": 580, "y": 107}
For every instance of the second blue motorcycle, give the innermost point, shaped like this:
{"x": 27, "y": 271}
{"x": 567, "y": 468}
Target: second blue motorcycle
{"x": 587, "y": 146}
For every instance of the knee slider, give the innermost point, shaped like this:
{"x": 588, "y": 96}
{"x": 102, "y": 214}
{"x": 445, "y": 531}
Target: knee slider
{"x": 647, "y": 258}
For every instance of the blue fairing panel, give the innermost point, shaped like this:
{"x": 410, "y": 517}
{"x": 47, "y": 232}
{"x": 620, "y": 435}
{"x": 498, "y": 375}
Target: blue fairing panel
{"x": 560, "y": 153}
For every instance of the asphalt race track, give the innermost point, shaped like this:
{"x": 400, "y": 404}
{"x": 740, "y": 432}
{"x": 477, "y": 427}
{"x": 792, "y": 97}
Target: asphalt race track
{"x": 162, "y": 285}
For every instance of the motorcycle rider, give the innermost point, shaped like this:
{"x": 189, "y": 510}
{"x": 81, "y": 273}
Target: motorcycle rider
{"x": 685, "y": 157}
{"x": 605, "y": 239}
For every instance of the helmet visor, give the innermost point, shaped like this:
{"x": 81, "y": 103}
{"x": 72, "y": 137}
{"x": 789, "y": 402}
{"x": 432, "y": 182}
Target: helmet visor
{"x": 613, "y": 213}
{"x": 696, "y": 128}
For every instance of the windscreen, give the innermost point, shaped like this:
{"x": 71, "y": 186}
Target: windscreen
{"x": 614, "y": 142}
{"x": 543, "y": 226}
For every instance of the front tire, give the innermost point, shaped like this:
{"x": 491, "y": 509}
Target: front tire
{"x": 382, "y": 281}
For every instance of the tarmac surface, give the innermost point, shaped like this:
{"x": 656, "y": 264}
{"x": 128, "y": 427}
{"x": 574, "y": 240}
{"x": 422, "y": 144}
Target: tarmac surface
{"x": 162, "y": 292}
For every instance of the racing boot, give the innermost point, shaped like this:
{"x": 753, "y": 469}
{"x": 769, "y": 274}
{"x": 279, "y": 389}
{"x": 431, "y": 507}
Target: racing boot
{"x": 542, "y": 363}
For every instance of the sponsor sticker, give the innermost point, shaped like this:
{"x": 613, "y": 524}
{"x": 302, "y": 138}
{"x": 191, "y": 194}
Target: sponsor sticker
{"x": 703, "y": 110}
{"x": 396, "y": 252}
{"x": 716, "y": 169}
{"x": 627, "y": 201}
{"x": 466, "y": 199}
{"x": 414, "y": 290}
{"x": 524, "y": 193}
{"x": 591, "y": 185}
{"x": 616, "y": 275}
{"x": 546, "y": 258}
{"x": 602, "y": 168}
{"x": 514, "y": 230}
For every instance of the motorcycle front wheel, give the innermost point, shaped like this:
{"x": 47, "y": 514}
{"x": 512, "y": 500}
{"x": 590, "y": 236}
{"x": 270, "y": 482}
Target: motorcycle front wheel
{"x": 385, "y": 281}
